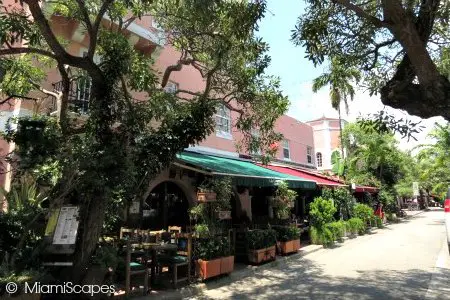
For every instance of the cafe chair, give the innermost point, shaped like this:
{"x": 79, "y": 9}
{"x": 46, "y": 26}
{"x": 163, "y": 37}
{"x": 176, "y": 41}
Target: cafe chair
{"x": 125, "y": 233}
{"x": 182, "y": 258}
{"x": 174, "y": 229}
{"x": 132, "y": 269}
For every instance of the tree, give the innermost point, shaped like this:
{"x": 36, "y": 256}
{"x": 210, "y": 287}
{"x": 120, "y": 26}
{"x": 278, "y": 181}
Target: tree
{"x": 106, "y": 162}
{"x": 434, "y": 161}
{"x": 373, "y": 157}
{"x": 340, "y": 81}
{"x": 401, "y": 47}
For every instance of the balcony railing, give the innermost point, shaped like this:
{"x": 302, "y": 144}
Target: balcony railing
{"x": 79, "y": 94}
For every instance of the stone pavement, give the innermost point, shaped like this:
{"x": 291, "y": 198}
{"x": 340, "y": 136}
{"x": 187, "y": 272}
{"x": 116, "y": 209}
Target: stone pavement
{"x": 246, "y": 275}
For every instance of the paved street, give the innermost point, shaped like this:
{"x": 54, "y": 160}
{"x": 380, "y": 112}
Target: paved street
{"x": 404, "y": 261}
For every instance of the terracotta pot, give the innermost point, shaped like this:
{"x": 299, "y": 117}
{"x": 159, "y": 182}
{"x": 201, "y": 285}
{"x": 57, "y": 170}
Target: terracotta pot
{"x": 261, "y": 255}
{"x": 208, "y": 268}
{"x": 206, "y": 196}
{"x": 227, "y": 265}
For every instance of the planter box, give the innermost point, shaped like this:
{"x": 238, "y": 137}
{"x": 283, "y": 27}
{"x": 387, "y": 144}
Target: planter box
{"x": 206, "y": 196}
{"x": 227, "y": 265}
{"x": 261, "y": 255}
{"x": 208, "y": 268}
{"x": 289, "y": 246}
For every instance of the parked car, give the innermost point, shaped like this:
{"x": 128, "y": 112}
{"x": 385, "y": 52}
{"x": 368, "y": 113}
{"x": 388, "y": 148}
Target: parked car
{"x": 447, "y": 217}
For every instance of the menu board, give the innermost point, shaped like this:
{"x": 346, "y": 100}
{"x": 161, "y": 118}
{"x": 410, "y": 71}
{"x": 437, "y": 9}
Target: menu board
{"x": 67, "y": 227}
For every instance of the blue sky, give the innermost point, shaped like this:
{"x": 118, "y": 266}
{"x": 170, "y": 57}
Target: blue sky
{"x": 296, "y": 73}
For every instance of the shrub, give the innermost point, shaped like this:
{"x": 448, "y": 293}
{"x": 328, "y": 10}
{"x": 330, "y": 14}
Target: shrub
{"x": 287, "y": 233}
{"x": 321, "y": 236}
{"x": 378, "y": 222}
{"x": 357, "y": 225}
{"x": 321, "y": 212}
{"x": 338, "y": 228}
{"x": 261, "y": 238}
{"x": 343, "y": 200}
{"x": 363, "y": 212}
{"x": 283, "y": 201}
{"x": 212, "y": 248}
{"x": 391, "y": 217}
{"x": 387, "y": 198}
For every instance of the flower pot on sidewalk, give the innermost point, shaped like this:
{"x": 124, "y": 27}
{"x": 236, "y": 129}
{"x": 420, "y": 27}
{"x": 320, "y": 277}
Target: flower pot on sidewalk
{"x": 226, "y": 265}
{"x": 208, "y": 268}
{"x": 289, "y": 246}
{"x": 261, "y": 255}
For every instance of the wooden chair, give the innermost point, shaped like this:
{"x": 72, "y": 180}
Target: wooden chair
{"x": 134, "y": 269}
{"x": 174, "y": 229}
{"x": 125, "y": 233}
{"x": 182, "y": 258}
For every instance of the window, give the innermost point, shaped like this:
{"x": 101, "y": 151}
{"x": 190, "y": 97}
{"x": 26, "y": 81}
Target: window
{"x": 223, "y": 120}
{"x": 309, "y": 154}
{"x": 286, "y": 152}
{"x": 319, "y": 159}
{"x": 171, "y": 87}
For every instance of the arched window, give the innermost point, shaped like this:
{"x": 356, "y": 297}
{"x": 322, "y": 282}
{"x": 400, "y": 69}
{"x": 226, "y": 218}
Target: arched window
{"x": 319, "y": 159}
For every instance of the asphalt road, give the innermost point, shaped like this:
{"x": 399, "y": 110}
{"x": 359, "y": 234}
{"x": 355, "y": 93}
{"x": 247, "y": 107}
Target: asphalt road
{"x": 409, "y": 260}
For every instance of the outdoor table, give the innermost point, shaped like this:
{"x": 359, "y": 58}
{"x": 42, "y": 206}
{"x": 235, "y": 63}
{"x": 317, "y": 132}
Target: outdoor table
{"x": 153, "y": 249}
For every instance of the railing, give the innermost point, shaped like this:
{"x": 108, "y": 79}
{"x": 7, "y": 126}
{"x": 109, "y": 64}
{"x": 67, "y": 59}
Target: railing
{"x": 79, "y": 94}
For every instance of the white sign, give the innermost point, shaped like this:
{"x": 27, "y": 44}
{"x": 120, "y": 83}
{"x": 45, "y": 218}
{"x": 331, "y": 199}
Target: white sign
{"x": 416, "y": 189}
{"x": 67, "y": 227}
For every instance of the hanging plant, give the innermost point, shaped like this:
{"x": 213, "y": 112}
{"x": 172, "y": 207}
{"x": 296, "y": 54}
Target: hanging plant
{"x": 283, "y": 201}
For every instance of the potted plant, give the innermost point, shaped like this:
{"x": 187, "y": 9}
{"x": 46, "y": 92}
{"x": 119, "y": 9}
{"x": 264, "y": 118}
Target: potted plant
{"x": 283, "y": 201}
{"x": 206, "y": 195}
{"x": 288, "y": 239}
{"x": 209, "y": 254}
{"x": 227, "y": 260}
{"x": 261, "y": 245}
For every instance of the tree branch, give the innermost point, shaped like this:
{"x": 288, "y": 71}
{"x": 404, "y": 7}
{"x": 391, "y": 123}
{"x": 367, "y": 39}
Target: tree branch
{"x": 96, "y": 26}
{"x": 361, "y": 13}
{"x": 177, "y": 67}
{"x": 14, "y": 51}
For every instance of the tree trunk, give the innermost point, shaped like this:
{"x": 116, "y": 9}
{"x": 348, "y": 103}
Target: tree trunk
{"x": 340, "y": 131}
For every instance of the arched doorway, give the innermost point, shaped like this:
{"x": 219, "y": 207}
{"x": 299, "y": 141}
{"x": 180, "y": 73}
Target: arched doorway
{"x": 166, "y": 205}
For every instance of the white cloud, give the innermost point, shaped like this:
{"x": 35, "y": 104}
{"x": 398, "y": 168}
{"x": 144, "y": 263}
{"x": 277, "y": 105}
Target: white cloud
{"x": 307, "y": 105}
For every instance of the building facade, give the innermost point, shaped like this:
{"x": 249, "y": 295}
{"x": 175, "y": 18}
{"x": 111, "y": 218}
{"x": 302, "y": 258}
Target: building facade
{"x": 297, "y": 147}
{"x": 327, "y": 134}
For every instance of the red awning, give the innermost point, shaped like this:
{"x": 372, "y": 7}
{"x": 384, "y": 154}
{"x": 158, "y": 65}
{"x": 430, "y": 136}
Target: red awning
{"x": 369, "y": 189}
{"x": 305, "y": 175}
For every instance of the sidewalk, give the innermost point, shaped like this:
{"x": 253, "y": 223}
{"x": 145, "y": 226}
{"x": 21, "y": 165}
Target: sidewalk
{"x": 241, "y": 271}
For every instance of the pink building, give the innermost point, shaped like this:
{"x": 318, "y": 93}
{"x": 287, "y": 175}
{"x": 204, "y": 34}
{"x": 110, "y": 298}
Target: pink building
{"x": 297, "y": 147}
{"x": 326, "y": 140}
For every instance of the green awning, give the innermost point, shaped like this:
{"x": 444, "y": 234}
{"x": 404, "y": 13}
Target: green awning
{"x": 244, "y": 173}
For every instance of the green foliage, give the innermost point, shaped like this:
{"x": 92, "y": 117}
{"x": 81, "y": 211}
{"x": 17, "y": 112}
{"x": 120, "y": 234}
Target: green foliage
{"x": 338, "y": 163}
{"x": 337, "y": 228}
{"x": 283, "y": 200}
{"x": 321, "y": 236}
{"x": 212, "y": 248}
{"x": 22, "y": 227}
{"x": 261, "y": 238}
{"x": 205, "y": 214}
{"x": 356, "y": 37}
{"x": 364, "y": 212}
{"x": 343, "y": 200}
{"x": 378, "y": 221}
{"x": 287, "y": 233}
{"x": 373, "y": 157}
{"x": 387, "y": 198}
{"x": 321, "y": 212}
{"x": 357, "y": 226}
{"x": 106, "y": 256}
